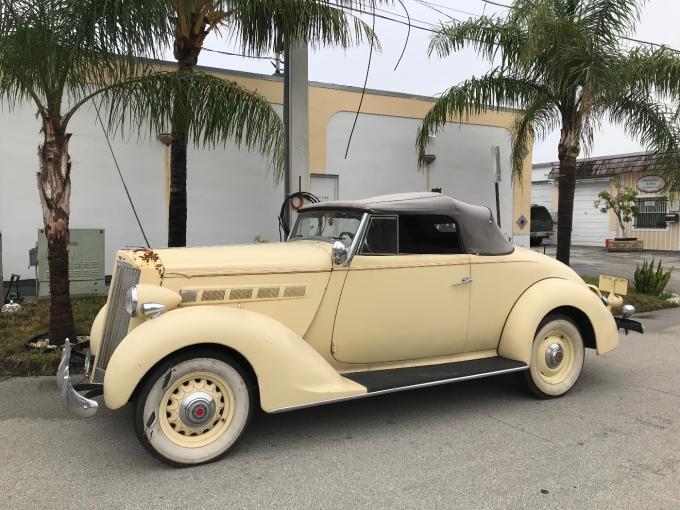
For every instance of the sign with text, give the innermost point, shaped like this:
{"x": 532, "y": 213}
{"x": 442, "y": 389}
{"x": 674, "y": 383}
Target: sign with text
{"x": 651, "y": 184}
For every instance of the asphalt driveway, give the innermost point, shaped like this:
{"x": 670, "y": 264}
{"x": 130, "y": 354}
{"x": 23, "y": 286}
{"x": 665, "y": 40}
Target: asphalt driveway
{"x": 613, "y": 442}
{"x": 586, "y": 260}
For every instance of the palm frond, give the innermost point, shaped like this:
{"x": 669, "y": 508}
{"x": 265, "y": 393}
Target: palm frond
{"x": 258, "y": 26}
{"x": 539, "y": 118}
{"x": 489, "y": 37}
{"x": 53, "y": 48}
{"x": 215, "y": 111}
{"x": 651, "y": 124}
{"x": 608, "y": 20}
{"x": 493, "y": 91}
{"x": 652, "y": 69}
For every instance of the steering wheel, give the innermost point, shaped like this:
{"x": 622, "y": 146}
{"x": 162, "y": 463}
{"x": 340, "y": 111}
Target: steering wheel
{"x": 346, "y": 233}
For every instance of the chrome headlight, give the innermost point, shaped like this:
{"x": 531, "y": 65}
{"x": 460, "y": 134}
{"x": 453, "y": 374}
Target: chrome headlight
{"x": 131, "y": 301}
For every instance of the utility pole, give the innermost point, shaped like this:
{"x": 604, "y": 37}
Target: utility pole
{"x": 296, "y": 119}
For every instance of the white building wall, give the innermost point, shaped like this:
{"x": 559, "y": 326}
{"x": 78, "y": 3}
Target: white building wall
{"x": 231, "y": 198}
{"x": 382, "y": 159}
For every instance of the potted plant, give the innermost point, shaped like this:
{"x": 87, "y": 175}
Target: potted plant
{"x": 621, "y": 201}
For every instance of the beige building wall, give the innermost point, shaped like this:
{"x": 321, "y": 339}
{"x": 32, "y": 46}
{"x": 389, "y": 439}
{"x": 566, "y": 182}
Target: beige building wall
{"x": 667, "y": 239}
{"x": 327, "y": 100}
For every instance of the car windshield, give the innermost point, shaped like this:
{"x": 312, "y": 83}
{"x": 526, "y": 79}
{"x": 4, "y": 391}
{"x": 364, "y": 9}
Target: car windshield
{"x": 326, "y": 226}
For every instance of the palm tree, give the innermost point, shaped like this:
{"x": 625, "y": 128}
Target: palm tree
{"x": 61, "y": 55}
{"x": 563, "y": 63}
{"x": 257, "y": 25}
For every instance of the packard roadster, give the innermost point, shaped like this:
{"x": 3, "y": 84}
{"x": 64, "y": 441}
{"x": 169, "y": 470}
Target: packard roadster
{"x": 364, "y": 298}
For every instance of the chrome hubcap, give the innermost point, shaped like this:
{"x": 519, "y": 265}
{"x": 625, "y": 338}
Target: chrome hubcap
{"x": 196, "y": 409}
{"x": 554, "y": 355}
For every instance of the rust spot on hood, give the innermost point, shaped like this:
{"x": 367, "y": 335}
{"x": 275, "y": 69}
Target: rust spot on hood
{"x": 150, "y": 257}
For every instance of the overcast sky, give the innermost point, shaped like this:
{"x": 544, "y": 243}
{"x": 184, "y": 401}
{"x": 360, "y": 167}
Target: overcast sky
{"x": 419, "y": 74}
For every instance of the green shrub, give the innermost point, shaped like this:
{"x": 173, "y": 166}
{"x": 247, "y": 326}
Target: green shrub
{"x": 651, "y": 281}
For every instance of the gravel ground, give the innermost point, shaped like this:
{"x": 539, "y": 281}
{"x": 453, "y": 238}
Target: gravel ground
{"x": 613, "y": 442}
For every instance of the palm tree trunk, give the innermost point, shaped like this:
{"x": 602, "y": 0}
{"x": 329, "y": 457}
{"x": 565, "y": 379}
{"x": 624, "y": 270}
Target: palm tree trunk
{"x": 54, "y": 186}
{"x": 565, "y": 207}
{"x": 177, "y": 207}
{"x": 186, "y": 53}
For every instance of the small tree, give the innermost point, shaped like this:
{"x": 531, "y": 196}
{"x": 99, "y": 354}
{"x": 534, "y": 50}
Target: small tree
{"x": 621, "y": 203}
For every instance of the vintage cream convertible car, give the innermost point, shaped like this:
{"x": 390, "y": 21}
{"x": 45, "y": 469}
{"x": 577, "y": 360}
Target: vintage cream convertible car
{"x": 366, "y": 297}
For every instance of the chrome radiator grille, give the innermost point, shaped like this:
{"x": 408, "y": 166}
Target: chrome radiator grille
{"x": 117, "y": 320}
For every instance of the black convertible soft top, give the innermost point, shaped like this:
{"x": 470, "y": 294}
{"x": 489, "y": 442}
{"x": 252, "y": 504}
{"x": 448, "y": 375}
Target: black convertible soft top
{"x": 478, "y": 230}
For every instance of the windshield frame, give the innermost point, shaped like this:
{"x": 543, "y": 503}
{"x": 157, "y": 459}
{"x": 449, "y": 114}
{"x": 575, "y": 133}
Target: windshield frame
{"x": 353, "y": 246}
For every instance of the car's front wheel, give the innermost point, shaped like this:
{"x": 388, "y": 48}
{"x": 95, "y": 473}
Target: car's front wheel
{"x": 194, "y": 408}
{"x": 557, "y": 357}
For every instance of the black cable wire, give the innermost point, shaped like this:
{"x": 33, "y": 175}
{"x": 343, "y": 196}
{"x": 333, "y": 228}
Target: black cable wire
{"x": 284, "y": 230}
{"x": 232, "y": 54}
{"x": 408, "y": 35}
{"x": 115, "y": 160}
{"x": 363, "y": 91}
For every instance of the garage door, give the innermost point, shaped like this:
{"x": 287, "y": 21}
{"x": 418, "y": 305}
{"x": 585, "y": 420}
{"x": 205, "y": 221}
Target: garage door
{"x": 590, "y": 227}
{"x": 542, "y": 194}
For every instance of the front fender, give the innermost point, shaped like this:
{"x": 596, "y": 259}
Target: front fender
{"x": 542, "y": 298}
{"x": 289, "y": 371}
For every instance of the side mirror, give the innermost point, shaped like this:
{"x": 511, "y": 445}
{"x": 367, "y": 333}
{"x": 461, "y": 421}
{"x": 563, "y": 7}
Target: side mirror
{"x": 339, "y": 251}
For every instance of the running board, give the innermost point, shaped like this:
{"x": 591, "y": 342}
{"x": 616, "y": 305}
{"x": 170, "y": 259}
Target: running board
{"x": 398, "y": 379}
{"x": 379, "y": 382}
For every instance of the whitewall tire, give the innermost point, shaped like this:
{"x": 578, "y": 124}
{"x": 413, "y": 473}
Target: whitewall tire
{"x": 194, "y": 408}
{"x": 557, "y": 357}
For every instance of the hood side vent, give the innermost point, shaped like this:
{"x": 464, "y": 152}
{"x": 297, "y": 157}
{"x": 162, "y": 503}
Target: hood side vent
{"x": 240, "y": 294}
{"x": 268, "y": 292}
{"x": 213, "y": 295}
{"x": 294, "y": 291}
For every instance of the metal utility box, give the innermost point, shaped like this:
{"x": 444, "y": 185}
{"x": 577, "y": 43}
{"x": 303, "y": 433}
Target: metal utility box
{"x": 85, "y": 260}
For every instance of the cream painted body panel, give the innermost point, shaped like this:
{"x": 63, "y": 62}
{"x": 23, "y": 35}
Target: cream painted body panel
{"x": 402, "y": 307}
{"x": 539, "y": 300}
{"x": 289, "y": 371}
{"x": 497, "y": 283}
{"x": 296, "y": 313}
{"x": 268, "y": 258}
{"x": 291, "y": 343}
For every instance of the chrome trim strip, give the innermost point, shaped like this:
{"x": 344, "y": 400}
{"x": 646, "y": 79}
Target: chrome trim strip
{"x": 401, "y": 388}
{"x": 358, "y": 236}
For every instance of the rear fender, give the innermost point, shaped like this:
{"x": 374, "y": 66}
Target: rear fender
{"x": 289, "y": 371}
{"x": 544, "y": 297}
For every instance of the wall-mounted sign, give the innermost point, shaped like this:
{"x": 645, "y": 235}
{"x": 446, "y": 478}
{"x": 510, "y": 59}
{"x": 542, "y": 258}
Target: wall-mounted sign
{"x": 651, "y": 184}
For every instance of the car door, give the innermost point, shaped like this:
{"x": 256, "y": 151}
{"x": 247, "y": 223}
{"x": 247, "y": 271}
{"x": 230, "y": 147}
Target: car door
{"x": 407, "y": 292}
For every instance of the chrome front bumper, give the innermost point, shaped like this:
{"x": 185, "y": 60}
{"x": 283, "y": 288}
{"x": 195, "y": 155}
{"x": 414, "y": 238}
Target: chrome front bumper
{"x": 75, "y": 403}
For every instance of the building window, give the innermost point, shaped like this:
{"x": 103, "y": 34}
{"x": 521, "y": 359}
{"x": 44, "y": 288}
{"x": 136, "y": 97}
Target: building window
{"x": 652, "y": 212}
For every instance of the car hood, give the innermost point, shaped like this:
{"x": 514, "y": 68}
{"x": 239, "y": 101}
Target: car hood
{"x": 266, "y": 258}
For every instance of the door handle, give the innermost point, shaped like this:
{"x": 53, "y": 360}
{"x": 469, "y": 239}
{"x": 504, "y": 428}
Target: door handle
{"x": 464, "y": 281}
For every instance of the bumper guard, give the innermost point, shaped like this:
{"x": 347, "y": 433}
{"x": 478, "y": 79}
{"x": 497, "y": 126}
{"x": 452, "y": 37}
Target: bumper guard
{"x": 76, "y": 403}
{"x": 627, "y": 325}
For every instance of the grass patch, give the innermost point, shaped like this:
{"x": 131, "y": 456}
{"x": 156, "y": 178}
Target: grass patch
{"x": 641, "y": 302}
{"x": 17, "y": 328}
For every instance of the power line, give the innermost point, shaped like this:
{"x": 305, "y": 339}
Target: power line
{"x": 232, "y": 54}
{"x": 632, "y": 39}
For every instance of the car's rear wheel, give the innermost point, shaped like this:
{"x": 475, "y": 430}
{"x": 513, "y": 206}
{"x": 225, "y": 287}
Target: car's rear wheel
{"x": 194, "y": 408}
{"x": 557, "y": 357}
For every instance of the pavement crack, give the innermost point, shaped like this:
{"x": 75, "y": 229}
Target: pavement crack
{"x": 518, "y": 428}
{"x": 655, "y": 389}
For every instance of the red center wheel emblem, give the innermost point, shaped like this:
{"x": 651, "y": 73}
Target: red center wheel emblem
{"x": 199, "y": 412}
